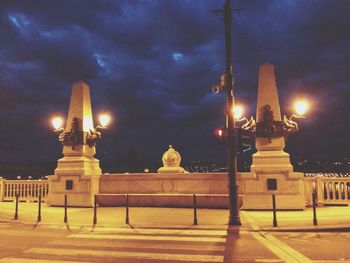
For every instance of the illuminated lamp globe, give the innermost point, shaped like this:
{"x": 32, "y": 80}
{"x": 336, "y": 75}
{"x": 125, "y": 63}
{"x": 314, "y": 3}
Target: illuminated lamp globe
{"x": 104, "y": 120}
{"x": 57, "y": 122}
{"x": 301, "y": 107}
{"x": 238, "y": 112}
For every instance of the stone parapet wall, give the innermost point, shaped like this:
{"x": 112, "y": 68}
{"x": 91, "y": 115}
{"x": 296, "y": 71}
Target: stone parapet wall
{"x": 157, "y": 189}
{"x": 155, "y": 183}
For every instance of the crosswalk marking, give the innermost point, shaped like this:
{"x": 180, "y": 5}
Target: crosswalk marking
{"x": 122, "y": 254}
{"x": 127, "y": 245}
{"x": 30, "y": 260}
{"x": 153, "y": 231}
{"x": 153, "y": 238}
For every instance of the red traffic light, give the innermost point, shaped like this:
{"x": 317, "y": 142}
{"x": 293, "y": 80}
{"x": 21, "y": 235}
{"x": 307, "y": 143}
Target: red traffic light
{"x": 221, "y": 134}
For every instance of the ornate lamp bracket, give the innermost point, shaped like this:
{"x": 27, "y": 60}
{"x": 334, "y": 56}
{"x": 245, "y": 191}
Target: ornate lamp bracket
{"x": 76, "y": 136}
{"x": 269, "y": 128}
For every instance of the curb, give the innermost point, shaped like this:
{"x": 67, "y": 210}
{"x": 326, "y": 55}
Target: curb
{"x": 307, "y": 229}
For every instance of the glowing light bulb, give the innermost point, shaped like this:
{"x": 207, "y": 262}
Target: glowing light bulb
{"x": 301, "y": 107}
{"x": 57, "y": 122}
{"x": 220, "y": 133}
{"x": 238, "y": 112}
{"x": 104, "y": 119}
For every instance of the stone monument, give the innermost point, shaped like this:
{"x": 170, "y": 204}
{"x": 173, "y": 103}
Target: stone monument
{"x": 78, "y": 173}
{"x": 271, "y": 170}
{"x": 171, "y": 162}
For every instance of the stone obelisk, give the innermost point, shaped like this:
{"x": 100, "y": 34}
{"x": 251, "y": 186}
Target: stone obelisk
{"x": 78, "y": 173}
{"x": 272, "y": 147}
{"x": 271, "y": 170}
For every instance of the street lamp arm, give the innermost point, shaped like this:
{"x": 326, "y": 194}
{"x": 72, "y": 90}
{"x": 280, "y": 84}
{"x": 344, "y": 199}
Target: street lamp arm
{"x": 290, "y": 126}
{"x": 100, "y": 128}
{"x": 250, "y": 124}
{"x": 59, "y": 130}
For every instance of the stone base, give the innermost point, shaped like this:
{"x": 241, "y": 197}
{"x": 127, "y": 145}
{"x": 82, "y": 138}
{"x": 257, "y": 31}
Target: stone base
{"x": 272, "y": 173}
{"x": 257, "y": 195}
{"x": 78, "y": 178}
{"x": 169, "y": 169}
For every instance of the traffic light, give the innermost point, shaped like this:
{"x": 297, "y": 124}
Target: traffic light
{"x": 244, "y": 140}
{"x": 221, "y": 134}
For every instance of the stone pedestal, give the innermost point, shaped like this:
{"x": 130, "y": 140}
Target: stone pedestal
{"x": 78, "y": 173}
{"x": 271, "y": 170}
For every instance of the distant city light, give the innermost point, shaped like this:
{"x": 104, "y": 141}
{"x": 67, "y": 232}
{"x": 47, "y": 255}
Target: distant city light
{"x": 104, "y": 119}
{"x": 301, "y": 107}
{"x": 177, "y": 56}
{"x": 57, "y": 122}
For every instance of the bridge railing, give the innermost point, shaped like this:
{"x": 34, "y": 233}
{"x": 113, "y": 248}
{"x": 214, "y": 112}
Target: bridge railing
{"x": 330, "y": 190}
{"x": 28, "y": 190}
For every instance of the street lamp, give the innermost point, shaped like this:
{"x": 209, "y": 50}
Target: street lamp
{"x": 104, "y": 120}
{"x": 269, "y": 128}
{"x": 301, "y": 107}
{"x": 57, "y": 123}
{"x": 238, "y": 112}
{"x": 76, "y": 136}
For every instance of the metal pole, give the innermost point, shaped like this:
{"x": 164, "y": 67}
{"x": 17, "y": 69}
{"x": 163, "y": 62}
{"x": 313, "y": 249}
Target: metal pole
{"x": 274, "y": 210}
{"x": 234, "y": 218}
{"x": 314, "y": 208}
{"x": 65, "y": 209}
{"x": 195, "y": 222}
{"x": 39, "y": 209}
{"x": 127, "y": 209}
{"x": 95, "y": 210}
{"x": 16, "y": 210}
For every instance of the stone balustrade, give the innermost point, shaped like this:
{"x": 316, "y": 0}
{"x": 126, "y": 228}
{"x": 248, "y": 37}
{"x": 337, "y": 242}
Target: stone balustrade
{"x": 330, "y": 189}
{"x": 28, "y": 190}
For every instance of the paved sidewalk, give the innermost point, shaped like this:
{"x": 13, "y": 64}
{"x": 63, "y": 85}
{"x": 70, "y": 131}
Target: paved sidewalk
{"x": 329, "y": 218}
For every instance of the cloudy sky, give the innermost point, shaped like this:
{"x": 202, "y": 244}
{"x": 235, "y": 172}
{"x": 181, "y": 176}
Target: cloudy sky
{"x": 151, "y": 65}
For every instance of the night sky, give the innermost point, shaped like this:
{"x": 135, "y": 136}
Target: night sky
{"x": 151, "y": 65}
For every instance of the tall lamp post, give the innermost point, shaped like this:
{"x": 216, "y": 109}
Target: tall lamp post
{"x": 226, "y": 83}
{"x": 234, "y": 218}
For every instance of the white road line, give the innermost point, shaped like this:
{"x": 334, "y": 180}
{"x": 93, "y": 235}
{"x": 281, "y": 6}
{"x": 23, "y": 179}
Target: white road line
{"x": 31, "y": 260}
{"x": 276, "y": 246}
{"x": 160, "y": 231}
{"x": 269, "y": 260}
{"x": 122, "y": 245}
{"x": 120, "y": 254}
{"x": 153, "y": 238}
{"x": 250, "y": 220}
{"x": 281, "y": 249}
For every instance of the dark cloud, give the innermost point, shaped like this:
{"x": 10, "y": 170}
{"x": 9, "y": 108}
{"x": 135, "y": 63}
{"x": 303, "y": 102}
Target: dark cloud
{"x": 151, "y": 63}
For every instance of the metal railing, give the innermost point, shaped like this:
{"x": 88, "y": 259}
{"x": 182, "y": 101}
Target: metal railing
{"x": 28, "y": 190}
{"x": 193, "y": 198}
